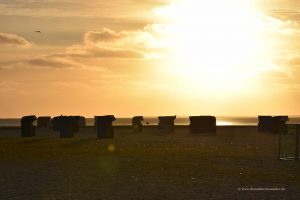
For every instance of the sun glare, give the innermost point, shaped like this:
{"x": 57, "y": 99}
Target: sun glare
{"x": 217, "y": 45}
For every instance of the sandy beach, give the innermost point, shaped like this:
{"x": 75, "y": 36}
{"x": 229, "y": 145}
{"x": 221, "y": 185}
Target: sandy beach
{"x": 236, "y": 163}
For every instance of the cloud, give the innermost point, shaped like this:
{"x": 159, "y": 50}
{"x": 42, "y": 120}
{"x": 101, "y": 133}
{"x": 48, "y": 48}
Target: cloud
{"x": 105, "y": 35}
{"x": 13, "y": 40}
{"x": 51, "y": 61}
{"x": 120, "y": 53}
{"x": 294, "y": 61}
{"x": 137, "y": 44}
{"x": 281, "y": 38}
{"x": 274, "y": 75}
{"x": 67, "y": 8}
{"x": 149, "y": 37}
{"x": 106, "y": 43}
{"x": 108, "y": 82}
{"x": 133, "y": 39}
{"x": 99, "y": 52}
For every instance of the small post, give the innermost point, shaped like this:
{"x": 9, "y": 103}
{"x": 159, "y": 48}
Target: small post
{"x": 297, "y": 144}
{"x": 279, "y": 144}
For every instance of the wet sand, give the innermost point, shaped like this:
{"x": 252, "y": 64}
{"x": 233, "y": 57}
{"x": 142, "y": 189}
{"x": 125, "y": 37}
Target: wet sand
{"x": 148, "y": 165}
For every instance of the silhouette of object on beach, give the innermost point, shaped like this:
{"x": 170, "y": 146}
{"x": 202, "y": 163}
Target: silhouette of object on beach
{"x": 80, "y": 121}
{"x": 27, "y": 127}
{"x": 55, "y": 123}
{"x": 278, "y": 122}
{"x": 43, "y": 122}
{"x": 265, "y": 124}
{"x": 137, "y": 125}
{"x": 104, "y": 127}
{"x": 289, "y": 142}
{"x": 271, "y": 124}
{"x": 202, "y": 124}
{"x": 66, "y": 125}
{"x": 166, "y": 123}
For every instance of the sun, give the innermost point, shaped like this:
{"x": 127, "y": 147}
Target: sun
{"x": 215, "y": 45}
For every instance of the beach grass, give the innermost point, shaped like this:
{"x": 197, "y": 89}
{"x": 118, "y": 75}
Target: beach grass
{"x": 235, "y": 163}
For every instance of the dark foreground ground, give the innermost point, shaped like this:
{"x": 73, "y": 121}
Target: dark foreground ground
{"x": 150, "y": 165}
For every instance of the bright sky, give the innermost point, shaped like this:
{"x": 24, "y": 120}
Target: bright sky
{"x": 149, "y": 57}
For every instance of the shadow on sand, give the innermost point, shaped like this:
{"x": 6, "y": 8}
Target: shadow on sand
{"x": 79, "y": 142}
{"x": 30, "y": 141}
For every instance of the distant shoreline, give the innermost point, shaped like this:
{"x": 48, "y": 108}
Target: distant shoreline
{"x": 129, "y": 126}
{"x": 153, "y": 121}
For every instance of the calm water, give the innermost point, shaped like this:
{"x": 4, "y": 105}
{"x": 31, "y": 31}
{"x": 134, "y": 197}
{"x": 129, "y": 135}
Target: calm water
{"x": 178, "y": 121}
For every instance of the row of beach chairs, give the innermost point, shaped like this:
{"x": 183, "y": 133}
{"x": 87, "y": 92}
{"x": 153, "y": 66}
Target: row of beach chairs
{"x": 271, "y": 123}
{"x": 68, "y": 125}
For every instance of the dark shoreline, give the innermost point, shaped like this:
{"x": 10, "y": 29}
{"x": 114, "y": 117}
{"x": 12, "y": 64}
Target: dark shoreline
{"x": 147, "y": 126}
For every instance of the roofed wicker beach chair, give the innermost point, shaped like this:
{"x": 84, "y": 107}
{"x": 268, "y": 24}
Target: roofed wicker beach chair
{"x": 166, "y": 123}
{"x": 271, "y": 124}
{"x": 265, "y": 123}
{"x": 66, "y": 125}
{"x": 104, "y": 126}
{"x": 43, "y": 122}
{"x": 202, "y": 124}
{"x": 27, "y": 127}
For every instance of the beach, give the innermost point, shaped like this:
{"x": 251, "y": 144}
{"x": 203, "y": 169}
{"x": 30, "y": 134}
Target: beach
{"x": 235, "y": 163}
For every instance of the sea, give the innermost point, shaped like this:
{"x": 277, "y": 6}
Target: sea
{"x": 180, "y": 120}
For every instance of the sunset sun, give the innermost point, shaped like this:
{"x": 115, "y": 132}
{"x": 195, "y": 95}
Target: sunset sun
{"x": 215, "y": 47}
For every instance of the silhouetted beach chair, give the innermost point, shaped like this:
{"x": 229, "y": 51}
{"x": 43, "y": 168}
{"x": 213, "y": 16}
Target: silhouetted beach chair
{"x": 55, "y": 123}
{"x": 27, "y": 127}
{"x": 66, "y": 125}
{"x": 278, "y": 122}
{"x": 43, "y": 122}
{"x": 271, "y": 124}
{"x": 166, "y": 123}
{"x": 265, "y": 124}
{"x": 69, "y": 127}
{"x": 104, "y": 127}
{"x": 80, "y": 121}
{"x": 202, "y": 124}
{"x": 137, "y": 125}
